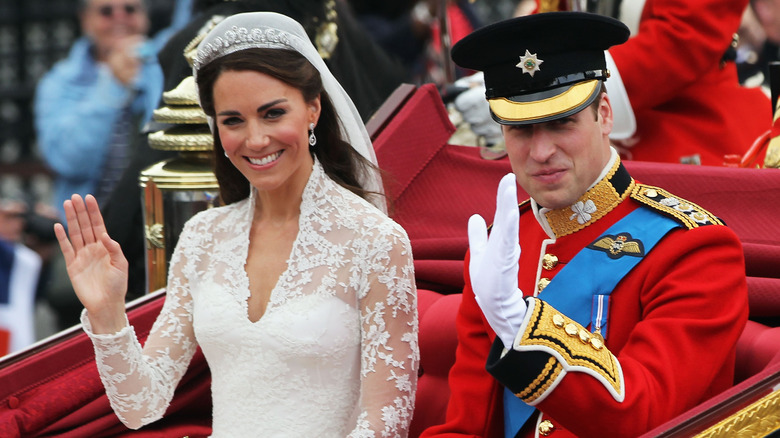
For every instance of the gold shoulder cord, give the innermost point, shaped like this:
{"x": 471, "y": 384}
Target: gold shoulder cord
{"x": 688, "y": 213}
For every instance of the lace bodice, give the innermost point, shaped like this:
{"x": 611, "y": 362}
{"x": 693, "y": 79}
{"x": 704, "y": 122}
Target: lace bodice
{"x": 335, "y": 354}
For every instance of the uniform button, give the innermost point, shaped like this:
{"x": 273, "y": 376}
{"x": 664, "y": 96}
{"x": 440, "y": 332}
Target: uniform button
{"x": 558, "y": 320}
{"x": 546, "y": 427}
{"x": 549, "y": 262}
{"x": 571, "y": 329}
{"x": 651, "y": 193}
{"x": 542, "y": 284}
{"x": 13, "y": 402}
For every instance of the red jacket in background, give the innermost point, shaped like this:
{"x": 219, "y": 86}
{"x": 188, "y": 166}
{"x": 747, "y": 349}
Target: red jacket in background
{"x": 687, "y": 103}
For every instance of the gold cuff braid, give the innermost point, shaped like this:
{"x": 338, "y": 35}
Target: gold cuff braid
{"x": 572, "y": 343}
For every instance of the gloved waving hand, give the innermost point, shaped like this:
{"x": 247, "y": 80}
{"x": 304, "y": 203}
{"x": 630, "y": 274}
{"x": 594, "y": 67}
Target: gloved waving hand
{"x": 494, "y": 264}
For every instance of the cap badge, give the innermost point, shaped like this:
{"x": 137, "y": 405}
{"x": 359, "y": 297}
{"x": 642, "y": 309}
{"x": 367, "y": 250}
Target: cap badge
{"x": 529, "y": 63}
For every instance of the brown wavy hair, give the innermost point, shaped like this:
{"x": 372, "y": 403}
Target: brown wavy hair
{"x": 341, "y": 162}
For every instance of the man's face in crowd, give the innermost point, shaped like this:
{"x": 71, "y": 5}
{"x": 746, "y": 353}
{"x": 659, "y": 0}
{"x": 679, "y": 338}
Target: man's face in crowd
{"x": 556, "y": 161}
{"x": 108, "y": 21}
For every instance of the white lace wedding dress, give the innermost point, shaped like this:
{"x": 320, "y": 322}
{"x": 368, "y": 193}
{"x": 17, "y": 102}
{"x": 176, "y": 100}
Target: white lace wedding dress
{"x": 335, "y": 353}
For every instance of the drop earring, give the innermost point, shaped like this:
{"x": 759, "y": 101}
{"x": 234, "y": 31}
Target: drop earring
{"x": 312, "y": 138}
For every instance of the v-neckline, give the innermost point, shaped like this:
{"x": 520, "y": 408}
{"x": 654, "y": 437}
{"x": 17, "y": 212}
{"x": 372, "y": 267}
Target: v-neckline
{"x": 279, "y": 282}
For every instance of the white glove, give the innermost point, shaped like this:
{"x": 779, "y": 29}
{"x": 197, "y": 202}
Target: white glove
{"x": 494, "y": 264}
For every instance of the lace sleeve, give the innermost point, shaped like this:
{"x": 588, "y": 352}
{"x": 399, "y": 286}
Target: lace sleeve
{"x": 140, "y": 382}
{"x": 390, "y": 354}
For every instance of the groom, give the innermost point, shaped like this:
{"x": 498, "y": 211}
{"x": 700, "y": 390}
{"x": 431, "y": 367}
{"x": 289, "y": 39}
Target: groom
{"x": 600, "y": 306}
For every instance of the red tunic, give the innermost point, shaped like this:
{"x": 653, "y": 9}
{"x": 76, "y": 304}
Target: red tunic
{"x": 685, "y": 102}
{"x": 673, "y": 324}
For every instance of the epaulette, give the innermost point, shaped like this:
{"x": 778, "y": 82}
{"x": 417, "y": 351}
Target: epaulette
{"x": 688, "y": 213}
{"x": 523, "y": 206}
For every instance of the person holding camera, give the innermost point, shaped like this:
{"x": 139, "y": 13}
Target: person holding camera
{"x": 90, "y": 105}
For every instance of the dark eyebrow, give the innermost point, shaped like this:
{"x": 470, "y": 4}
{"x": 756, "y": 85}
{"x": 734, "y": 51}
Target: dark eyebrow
{"x": 260, "y": 109}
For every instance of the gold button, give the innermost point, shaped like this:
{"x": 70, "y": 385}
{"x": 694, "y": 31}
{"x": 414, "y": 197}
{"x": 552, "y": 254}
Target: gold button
{"x": 546, "y": 427}
{"x": 651, "y": 193}
{"x": 571, "y": 329}
{"x": 596, "y": 342}
{"x": 549, "y": 261}
{"x": 558, "y": 320}
{"x": 542, "y": 284}
{"x": 584, "y": 336}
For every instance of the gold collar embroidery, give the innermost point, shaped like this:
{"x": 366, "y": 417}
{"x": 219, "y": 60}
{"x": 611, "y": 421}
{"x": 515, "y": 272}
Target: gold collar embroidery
{"x": 594, "y": 204}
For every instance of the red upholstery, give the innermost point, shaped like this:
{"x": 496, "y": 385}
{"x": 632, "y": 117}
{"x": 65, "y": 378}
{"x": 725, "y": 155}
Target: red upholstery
{"x": 758, "y": 346}
{"x": 54, "y": 390}
{"x": 437, "y": 355}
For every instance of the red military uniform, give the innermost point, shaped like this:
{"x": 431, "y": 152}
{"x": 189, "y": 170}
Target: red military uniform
{"x": 673, "y": 322}
{"x": 686, "y": 102}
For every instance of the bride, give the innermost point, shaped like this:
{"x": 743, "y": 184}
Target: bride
{"x": 299, "y": 289}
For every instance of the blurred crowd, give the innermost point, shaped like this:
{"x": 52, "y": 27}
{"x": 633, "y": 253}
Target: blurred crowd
{"x": 93, "y": 109}
{"x": 759, "y": 42}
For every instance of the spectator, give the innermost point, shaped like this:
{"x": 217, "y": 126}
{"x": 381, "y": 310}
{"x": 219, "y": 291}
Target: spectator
{"x": 682, "y": 85}
{"x": 90, "y": 106}
{"x": 20, "y": 269}
{"x": 759, "y": 42}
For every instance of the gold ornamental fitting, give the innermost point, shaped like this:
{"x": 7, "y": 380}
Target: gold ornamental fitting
{"x": 180, "y": 174}
{"x": 542, "y": 284}
{"x": 179, "y": 115}
{"x": 558, "y": 320}
{"x": 155, "y": 235}
{"x": 546, "y": 427}
{"x": 190, "y": 131}
{"x": 186, "y": 93}
{"x": 173, "y": 190}
{"x": 182, "y": 105}
{"x": 549, "y": 261}
{"x": 327, "y": 37}
{"x": 651, "y": 193}
{"x": 772, "y": 157}
{"x": 597, "y": 342}
{"x": 182, "y": 138}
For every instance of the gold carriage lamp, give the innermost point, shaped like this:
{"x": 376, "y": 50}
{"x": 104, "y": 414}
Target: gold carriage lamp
{"x": 177, "y": 188}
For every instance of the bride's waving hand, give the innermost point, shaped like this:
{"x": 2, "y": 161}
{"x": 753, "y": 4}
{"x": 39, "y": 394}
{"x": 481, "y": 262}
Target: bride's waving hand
{"x": 95, "y": 263}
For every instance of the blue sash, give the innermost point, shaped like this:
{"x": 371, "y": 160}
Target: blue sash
{"x": 595, "y": 272}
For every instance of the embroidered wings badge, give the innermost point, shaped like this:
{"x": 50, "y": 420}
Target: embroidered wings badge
{"x": 618, "y": 246}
